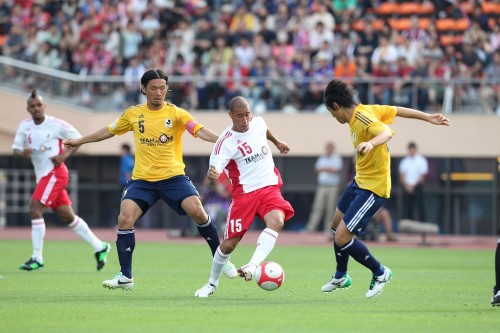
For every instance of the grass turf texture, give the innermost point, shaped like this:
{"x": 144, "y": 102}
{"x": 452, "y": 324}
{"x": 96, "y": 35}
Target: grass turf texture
{"x": 433, "y": 290}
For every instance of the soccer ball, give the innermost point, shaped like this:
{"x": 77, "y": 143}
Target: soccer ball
{"x": 269, "y": 276}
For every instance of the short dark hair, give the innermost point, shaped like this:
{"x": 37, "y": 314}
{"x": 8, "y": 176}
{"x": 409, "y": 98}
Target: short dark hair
{"x": 238, "y": 102}
{"x": 34, "y": 94}
{"x": 339, "y": 92}
{"x": 412, "y": 145}
{"x": 126, "y": 147}
{"x": 153, "y": 74}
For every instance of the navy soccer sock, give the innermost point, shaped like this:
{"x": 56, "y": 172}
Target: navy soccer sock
{"x": 125, "y": 244}
{"x": 361, "y": 254}
{"x": 497, "y": 267}
{"x": 342, "y": 260}
{"x": 209, "y": 232}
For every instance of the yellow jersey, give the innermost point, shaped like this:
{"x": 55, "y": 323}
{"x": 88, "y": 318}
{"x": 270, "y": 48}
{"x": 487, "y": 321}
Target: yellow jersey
{"x": 157, "y": 138}
{"x": 373, "y": 170}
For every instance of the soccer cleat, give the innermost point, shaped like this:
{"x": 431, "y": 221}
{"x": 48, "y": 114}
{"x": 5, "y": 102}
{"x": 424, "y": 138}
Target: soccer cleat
{"x": 378, "y": 283}
{"x": 119, "y": 281}
{"x": 229, "y": 270}
{"x": 495, "y": 300}
{"x": 101, "y": 256}
{"x": 207, "y": 290}
{"x": 334, "y": 284}
{"x": 247, "y": 272}
{"x": 31, "y": 265}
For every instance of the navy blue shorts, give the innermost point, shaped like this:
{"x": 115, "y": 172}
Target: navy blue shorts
{"x": 172, "y": 191}
{"x": 359, "y": 206}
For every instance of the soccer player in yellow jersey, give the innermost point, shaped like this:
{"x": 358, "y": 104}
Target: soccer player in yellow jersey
{"x": 158, "y": 171}
{"x": 371, "y": 186}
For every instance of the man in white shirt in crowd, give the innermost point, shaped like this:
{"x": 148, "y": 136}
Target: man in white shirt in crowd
{"x": 329, "y": 169}
{"x": 412, "y": 171}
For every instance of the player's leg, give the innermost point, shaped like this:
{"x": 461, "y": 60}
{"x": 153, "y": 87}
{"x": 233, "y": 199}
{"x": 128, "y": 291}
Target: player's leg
{"x": 194, "y": 208}
{"x": 130, "y": 212}
{"x": 340, "y": 279}
{"x": 219, "y": 262}
{"x": 37, "y": 236}
{"x": 355, "y": 220}
{"x": 65, "y": 212}
{"x": 181, "y": 195}
{"x": 274, "y": 210}
{"x": 495, "y": 300}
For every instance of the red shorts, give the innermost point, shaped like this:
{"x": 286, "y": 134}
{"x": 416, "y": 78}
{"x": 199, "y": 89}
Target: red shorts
{"x": 51, "y": 189}
{"x": 245, "y": 207}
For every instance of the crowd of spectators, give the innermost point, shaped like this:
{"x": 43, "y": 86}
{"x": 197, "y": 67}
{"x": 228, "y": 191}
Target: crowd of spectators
{"x": 277, "y": 53}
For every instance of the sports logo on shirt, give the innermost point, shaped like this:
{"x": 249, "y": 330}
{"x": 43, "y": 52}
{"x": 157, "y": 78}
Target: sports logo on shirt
{"x": 168, "y": 123}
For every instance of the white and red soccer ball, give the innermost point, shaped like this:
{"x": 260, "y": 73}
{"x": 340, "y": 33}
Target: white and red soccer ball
{"x": 269, "y": 276}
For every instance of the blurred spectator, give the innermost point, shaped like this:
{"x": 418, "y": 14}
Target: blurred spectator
{"x": 262, "y": 49}
{"x": 244, "y": 52}
{"x": 412, "y": 171}
{"x": 328, "y": 168}
{"x": 383, "y": 88}
{"x": 385, "y": 53}
{"x": 368, "y": 40}
{"x": 321, "y": 14}
{"x": 132, "y": 76}
{"x": 126, "y": 164}
{"x": 14, "y": 45}
{"x": 176, "y": 47}
{"x": 203, "y": 39}
{"x": 245, "y": 20}
{"x": 490, "y": 90}
{"x": 131, "y": 38}
{"x": 318, "y": 36}
{"x": 216, "y": 198}
{"x": 4, "y": 17}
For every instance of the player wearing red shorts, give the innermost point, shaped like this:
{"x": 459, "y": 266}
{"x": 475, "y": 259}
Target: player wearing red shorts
{"x": 243, "y": 153}
{"x": 39, "y": 138}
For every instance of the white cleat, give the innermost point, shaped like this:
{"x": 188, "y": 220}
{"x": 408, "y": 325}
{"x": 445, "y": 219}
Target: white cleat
{"x": 247, "y": 272}
{"x": 334, "y": 284}
{"x": 207, "y": 290}
{"x": 119, "y": 281}
{"x": 378, "y": 283}
{"x": 229, "y": 270}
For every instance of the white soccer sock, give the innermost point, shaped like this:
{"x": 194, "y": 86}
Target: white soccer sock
{"x": 218, "y": 263}
{"x": 37, "y": 236}
{"x": 81, "y": 228}
{"x": 265, "y": 244}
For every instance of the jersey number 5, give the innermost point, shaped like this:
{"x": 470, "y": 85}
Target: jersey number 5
{"x": 235, "y": 225}
{"x": 141, "y": 126}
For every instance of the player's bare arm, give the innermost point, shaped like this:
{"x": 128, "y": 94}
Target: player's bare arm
{"x": 97, "y": 136}
{"x": 58, "y": 159}
{"x": 436, "y": 119}
{"x": 282, "y": 146}
{"x": 381, "y": 138}
{"x": 26, "y": 152}
{"x": 207, "y": 134}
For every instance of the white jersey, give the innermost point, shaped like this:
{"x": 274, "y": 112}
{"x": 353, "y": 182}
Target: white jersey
{"x": 246, "y": 158}
{"x": 45, "y": 140}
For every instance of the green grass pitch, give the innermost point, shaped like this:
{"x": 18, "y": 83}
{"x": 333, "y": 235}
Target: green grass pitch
{"x": 433, "y": 290}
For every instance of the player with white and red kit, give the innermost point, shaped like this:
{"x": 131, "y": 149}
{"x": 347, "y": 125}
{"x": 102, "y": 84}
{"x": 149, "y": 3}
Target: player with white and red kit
{"x": 243, "y": 153}
{"x": 39, "y": 138}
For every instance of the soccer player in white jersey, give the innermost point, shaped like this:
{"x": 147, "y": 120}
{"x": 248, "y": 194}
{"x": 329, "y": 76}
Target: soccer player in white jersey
{"x": 39, "y": 138}
{"x": 243, "y": 153}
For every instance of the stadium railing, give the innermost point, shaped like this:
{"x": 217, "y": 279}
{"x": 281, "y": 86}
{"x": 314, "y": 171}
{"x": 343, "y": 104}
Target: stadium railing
{"x": 16, "y": 187}
{"x": 106, "y": 93}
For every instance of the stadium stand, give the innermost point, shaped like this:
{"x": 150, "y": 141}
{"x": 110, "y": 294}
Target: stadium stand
{"x": 102, "y": 38}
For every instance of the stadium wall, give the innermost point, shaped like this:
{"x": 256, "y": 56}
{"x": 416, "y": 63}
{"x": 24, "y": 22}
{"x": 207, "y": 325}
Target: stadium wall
{"x": 469, "y": 136}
